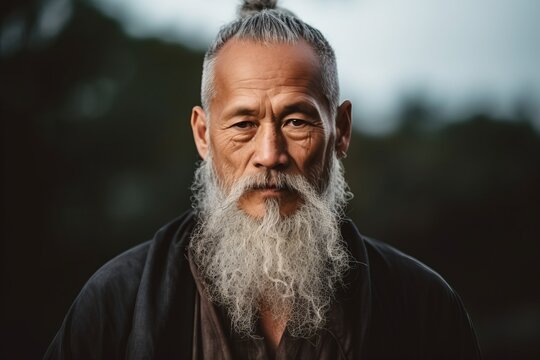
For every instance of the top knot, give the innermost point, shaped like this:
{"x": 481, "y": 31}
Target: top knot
{"x": 250, "y": 7}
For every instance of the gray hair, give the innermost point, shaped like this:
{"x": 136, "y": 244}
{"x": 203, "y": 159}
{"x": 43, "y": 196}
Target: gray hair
{"x": 263, "y": 22}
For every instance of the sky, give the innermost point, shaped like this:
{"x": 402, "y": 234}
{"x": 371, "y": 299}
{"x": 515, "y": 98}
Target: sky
{"x": 460, "y": 55}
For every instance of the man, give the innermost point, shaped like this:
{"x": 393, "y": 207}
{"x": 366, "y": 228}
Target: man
{"x": 266, "y": 266}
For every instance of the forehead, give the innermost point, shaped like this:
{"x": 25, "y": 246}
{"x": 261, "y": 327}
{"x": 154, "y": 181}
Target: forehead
{"x": 249, "y": 66}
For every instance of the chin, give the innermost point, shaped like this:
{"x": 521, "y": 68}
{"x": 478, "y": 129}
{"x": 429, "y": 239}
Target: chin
{"x": 259, "y": 211}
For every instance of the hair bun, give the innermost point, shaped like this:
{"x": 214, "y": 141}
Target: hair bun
{"x": 249, "y": 7}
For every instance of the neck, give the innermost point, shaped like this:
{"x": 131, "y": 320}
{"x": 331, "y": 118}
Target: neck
{"x": 272, "y": 328}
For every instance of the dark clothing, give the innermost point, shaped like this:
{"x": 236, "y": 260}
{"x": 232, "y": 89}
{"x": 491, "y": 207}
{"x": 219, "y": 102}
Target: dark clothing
{"x": 144, "y": 304}
{"x": 213, "y": 337}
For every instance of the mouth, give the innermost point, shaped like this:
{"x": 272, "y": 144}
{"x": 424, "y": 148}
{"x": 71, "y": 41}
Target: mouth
{"x": 270, "y": 189}
{"x": 255, "y": 197}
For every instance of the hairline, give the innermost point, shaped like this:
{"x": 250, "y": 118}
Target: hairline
{"x": 329, "y": 86}
{"x": 211, "y": 73}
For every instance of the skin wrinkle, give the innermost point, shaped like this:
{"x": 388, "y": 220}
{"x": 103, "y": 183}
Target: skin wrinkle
{"x": 286, "y": 30}
{"x": 270, "y": 128}
{"x": 287, "y": 244}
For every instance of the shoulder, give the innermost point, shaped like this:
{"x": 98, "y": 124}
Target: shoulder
{"x": 412, "y": 304}
{"x": 396, "y": 269}
{"x": 100, "y": 315}
{"x": 390, "y": 269}
{"x": 116, "y": 282}
{"x": 122, "y": 270}
{"x": 122, "y": 275}
{"x": 100, "y": 319}
{"x": 405, "y": 285}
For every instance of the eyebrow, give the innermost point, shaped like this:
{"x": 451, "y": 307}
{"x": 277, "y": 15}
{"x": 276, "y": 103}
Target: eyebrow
{"x": 241, "y": 111}
{"x": 300, "y": 107}
{"x": 297, "y": 107}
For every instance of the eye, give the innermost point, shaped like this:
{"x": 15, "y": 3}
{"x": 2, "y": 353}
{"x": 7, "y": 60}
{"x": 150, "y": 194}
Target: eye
{"x": 243, "y": 125}
{"x": 296, "y": 122}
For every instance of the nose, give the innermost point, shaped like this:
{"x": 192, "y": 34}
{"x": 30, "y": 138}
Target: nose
{"x": 270, "y": 149}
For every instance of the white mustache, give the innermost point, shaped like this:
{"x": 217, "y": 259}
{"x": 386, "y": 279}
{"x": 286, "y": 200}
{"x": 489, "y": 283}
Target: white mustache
{"x": 293, "y": 262}
{"x": 262, "y": 181}
{"x": 280, "y": 181}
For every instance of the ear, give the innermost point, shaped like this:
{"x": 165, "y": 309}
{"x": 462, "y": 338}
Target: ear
{"x": 343, "y": 128}
{"x": 200, "y": 130}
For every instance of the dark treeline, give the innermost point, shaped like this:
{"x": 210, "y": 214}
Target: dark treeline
{"x": 97, "y": 154}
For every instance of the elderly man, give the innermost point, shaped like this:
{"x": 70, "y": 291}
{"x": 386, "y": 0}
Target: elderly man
{"x": 266, "y": 266}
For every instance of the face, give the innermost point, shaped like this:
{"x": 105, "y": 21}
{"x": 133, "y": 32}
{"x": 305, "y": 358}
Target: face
{"x": 269, "y": 116}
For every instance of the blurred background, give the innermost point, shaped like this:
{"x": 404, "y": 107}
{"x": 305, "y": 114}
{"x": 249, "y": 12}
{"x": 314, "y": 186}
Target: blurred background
{"x": 97, "y": 151}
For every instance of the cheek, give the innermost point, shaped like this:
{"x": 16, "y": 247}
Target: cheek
{"x": 309, "y": 155}
{"x": 228, "y": 156}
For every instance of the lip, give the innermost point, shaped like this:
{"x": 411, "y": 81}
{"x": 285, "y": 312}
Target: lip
{"x": 270, "y": 191}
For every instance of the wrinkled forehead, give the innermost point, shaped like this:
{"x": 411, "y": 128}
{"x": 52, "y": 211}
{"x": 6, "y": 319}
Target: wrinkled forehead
{"x": 242, "y": 64}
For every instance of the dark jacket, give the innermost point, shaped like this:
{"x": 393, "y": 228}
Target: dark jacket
{"x": 140, "y": 305}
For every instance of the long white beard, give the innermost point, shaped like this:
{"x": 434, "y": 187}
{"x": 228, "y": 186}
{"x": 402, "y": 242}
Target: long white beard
{"x": 288, "y": 264}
